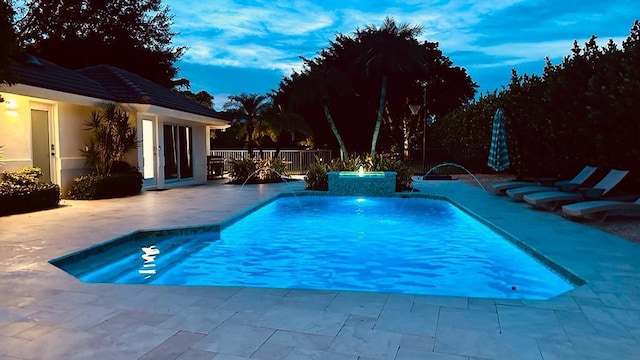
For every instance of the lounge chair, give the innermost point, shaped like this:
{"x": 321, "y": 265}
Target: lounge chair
{"x": 518, "y": 193}
{"x": 500, "y": 187}
{"x": 599, "y": 209}
{"x": 553, "y": 199}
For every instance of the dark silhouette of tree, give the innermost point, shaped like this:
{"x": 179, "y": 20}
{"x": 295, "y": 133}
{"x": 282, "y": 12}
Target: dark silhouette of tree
{"x": 387, "y": 51}
{"x": 321, "y": 81}
{"x": 8, "y": 43}
{"x": 278, "y": 122}
{"x": 247, "y": 110}
{"x": 369, "y": 75}
{"x": 134, "y": 35}
{"x": 201, "y": 97}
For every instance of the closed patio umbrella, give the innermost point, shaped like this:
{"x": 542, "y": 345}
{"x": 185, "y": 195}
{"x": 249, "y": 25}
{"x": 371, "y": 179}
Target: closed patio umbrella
{"x": 498, "y": 156}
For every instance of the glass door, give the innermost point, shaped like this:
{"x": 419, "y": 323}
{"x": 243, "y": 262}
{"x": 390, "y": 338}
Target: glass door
{"x": 149, "y": 154}
{"x": 185, "y": 144}
{"x": 178, "y": 145}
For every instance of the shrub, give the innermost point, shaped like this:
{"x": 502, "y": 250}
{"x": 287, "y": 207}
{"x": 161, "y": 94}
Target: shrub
{"x": 257, "y": 171}
{"x": 113, "y": 137}
{"x": 404, "y": 181}
{"x": 317, "y": 177}
{"x": 21, "y": 191}
{"x": 98, "y": 186}
{"x": 352, "y": 163}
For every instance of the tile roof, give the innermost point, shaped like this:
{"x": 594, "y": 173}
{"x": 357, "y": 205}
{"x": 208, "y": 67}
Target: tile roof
{"x": 108, "y": 83}
{"x": 45, "y": 74}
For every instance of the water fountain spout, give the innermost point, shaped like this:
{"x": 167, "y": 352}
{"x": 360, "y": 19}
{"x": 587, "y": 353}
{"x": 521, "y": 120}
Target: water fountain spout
{"x": 283, "y": 177}
{"x": 361, "y": 171}
{"x": 456, "y": 165}
{"x": 260, "y": 170}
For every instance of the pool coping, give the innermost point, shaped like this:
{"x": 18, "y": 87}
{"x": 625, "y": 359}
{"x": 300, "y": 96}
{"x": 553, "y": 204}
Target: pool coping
{"x": 48, "y": 314}
{"x": 64, "y": 261}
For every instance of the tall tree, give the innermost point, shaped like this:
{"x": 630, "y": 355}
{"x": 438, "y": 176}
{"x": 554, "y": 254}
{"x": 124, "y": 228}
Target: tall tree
{"x": 347, "y": 78}
{"x": 278, "y": 121}
{"x": 247, "y": 109}
{"x": 8, "y": 43}
{"x": 387, "y": 51}
{"x": 201, "y": 97}
{"x": 131, "y": 34}
{"x": 322, "y": 81}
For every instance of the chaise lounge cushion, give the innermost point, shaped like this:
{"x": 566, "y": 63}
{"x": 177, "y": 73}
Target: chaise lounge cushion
{"x": 553, "y": 199}
{"x": 599, "y": 209}
{"x": 518, "y": 193}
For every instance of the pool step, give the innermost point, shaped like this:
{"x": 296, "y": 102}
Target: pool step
{"x": 128, "y": 263}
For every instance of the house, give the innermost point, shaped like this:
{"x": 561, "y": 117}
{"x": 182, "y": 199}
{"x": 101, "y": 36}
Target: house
{"x": 42, "y": 123}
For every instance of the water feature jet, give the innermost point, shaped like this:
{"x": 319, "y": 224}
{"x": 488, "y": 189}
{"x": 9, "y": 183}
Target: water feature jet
{"x": 426, "y": 176}
{"x": 282, "y": 177}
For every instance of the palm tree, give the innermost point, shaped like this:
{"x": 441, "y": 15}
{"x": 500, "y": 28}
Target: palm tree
{"x": 278, "y": 121}
{"x": 248, "y": 110}
{"x": 387, "y": 51}
{"x": 112, "y": 139}
{"x": 320, "y": 79}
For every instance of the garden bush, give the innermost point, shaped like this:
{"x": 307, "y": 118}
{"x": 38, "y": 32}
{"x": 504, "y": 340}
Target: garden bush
{"x": 98, "y": 186}
{"x": 404, "y": 181}
{"x": 581, "y": 111}
{"x": 317, "y": 176}
{"x": 257, "y": 171}
{"x": 113, "y": 137}
{"x": 21, "y": 191}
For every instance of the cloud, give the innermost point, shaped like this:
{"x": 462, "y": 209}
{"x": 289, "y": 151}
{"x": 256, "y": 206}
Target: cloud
{"x": 249, "y": 55}
{"x": 268, "y": 36}
{"x": 236, "y": 20}
{"x": 259, "y": 34}
{"x": 274, "y": 35}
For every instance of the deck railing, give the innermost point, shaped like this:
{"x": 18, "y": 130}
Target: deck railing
{"x": 297, "y": 161}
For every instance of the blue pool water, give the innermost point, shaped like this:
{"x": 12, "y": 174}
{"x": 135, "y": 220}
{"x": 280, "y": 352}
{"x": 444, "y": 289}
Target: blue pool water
{"x": 395, "y": 245}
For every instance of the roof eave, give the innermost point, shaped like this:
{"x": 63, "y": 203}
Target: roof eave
{"x": 51, "y": 95}
{"x": 212, "y": 122}
{"x": 65, "y": 97}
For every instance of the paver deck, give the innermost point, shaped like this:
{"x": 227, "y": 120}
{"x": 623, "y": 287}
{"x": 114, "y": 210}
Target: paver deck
{"x": 47, "y": 314}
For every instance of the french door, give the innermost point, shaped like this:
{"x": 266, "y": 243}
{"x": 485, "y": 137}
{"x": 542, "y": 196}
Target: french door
{"x": 149, "y": 153}
{"x": 178, "y": 152}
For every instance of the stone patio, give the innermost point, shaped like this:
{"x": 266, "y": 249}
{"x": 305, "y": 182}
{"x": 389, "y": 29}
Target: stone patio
{"x": 47, "y": 314}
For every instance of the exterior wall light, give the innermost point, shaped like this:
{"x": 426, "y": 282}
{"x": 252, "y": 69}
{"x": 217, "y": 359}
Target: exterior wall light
{"x": 12, "y": 107}
{"x": 10, "y": 104}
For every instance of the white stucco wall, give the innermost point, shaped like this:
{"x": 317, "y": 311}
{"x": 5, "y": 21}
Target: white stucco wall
{"x": 68, "y": 135}
{"x": 15, "y": 132}
{"x": 72, "y": 138}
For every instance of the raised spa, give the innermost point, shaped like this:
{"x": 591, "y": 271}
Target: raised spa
{"x": 377, "y": 244}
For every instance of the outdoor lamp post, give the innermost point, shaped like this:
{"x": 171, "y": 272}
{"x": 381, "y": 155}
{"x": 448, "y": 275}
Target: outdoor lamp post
{"x": 415, "y": 110}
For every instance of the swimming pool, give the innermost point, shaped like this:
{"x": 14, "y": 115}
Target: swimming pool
{"x": 392, "y": 244}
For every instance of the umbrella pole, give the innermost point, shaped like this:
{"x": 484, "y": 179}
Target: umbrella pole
{"x": 424, "y": 128}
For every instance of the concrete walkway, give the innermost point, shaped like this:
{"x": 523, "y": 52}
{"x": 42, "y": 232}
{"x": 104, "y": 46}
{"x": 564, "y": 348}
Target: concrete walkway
{"x": 47, "y": 314}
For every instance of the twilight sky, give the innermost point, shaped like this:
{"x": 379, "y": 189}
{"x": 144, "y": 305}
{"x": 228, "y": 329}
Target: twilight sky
{"x": 237, "y": 46}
